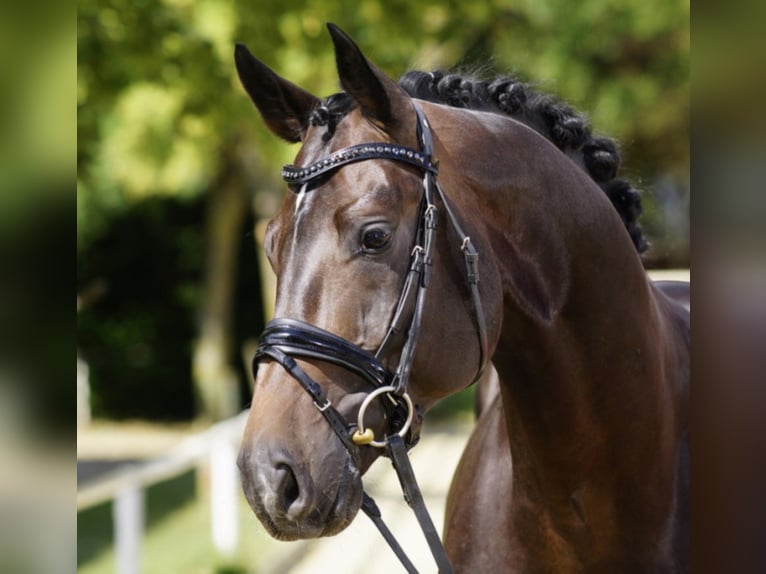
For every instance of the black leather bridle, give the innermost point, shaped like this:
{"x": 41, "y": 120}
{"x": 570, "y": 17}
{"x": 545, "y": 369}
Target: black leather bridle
{"x": 283, "y": 339}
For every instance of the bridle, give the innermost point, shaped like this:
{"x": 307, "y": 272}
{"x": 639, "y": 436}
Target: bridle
{"x": 283, "y": 339}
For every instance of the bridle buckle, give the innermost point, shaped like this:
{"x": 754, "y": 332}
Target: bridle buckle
{"x": 322, "y": 408}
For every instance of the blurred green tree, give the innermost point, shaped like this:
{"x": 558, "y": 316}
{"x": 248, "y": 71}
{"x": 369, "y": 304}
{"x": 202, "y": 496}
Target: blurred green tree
{"x": 160, "y": 111}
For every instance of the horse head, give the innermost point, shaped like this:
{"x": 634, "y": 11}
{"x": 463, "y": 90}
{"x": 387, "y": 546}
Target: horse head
{"x": 342, "y": 247}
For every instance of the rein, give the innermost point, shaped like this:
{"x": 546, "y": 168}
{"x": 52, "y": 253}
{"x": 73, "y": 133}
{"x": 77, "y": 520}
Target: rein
{"x": 283, "y": 339}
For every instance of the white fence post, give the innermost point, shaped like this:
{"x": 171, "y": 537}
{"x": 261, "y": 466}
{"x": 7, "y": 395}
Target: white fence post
{"x": 128, "y": 513}
{"x": 224, "y": 486}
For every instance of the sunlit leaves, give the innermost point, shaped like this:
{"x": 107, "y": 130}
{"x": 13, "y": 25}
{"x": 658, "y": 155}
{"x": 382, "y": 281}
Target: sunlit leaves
{"x": 152, "y": 146}
{"x": 624, "y": 63}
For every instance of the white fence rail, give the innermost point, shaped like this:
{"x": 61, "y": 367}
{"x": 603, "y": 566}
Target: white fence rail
{"x": 125, "y": 487}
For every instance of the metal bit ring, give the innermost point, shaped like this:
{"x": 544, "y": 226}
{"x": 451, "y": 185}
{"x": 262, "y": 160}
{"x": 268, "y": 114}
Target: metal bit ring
{"x": 366, "y": 436}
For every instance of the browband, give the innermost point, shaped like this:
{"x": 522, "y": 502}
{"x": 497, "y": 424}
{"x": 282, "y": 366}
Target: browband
{"x": 295, "y": 175}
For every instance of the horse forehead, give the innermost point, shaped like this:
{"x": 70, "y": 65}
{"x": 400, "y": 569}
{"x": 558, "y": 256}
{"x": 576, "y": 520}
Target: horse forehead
{"x": 363, "y": 189}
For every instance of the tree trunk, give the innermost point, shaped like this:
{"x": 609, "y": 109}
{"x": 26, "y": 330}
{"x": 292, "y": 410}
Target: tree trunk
{"x": 215, "y": 381}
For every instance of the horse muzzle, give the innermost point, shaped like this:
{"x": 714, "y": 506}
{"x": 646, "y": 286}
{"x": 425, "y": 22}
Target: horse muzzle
{"x": 290, "y": 502}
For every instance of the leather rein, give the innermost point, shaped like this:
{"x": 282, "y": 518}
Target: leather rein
{"x": 283, "y": 339}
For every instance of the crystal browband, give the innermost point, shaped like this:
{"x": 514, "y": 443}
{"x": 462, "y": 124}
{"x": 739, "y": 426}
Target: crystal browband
{"x": 295, "y": 175}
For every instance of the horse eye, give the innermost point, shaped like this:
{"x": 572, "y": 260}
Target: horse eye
{"x": 375, "y": 239}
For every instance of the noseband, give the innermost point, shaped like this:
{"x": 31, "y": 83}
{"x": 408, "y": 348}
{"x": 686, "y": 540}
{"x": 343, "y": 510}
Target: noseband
{"x": 283, "y": 339}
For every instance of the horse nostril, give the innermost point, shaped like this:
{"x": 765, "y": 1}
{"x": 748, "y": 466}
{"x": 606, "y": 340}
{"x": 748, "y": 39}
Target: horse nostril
{"x": 287, "y": 489}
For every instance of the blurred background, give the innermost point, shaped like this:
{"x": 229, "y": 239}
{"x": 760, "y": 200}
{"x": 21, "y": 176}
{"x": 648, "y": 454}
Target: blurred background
{"x": 176, "y": 177}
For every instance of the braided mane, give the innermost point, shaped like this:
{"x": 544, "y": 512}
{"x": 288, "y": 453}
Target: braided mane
{"x": 553, "y": 119}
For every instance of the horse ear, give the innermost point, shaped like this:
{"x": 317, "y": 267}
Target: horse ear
{"x": 380, "y": 98}
{"x": 284, "y": 106}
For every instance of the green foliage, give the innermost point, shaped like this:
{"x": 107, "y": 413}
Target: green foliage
{"x": 152, "y": 100}
{"x": 158, "y": 96}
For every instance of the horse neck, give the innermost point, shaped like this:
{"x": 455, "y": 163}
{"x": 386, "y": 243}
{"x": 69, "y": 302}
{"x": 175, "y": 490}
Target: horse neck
{"x": 579, "y": 348}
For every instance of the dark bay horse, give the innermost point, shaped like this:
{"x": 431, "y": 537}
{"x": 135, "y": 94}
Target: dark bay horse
{"x": 593, "y": 361}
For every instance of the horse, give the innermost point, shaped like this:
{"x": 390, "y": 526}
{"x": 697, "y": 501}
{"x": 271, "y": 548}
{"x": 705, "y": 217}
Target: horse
{"x": 536, "y": 267}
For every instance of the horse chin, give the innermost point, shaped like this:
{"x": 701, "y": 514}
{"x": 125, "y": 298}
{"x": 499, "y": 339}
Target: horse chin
{"x": 321, "y": 519}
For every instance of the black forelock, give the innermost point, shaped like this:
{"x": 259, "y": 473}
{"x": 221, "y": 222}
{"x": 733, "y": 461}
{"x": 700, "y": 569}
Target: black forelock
{"x": 330, "y": 111}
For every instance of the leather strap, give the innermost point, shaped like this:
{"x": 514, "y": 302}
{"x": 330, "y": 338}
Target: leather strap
{"x": 397, "y": 450}
{"x": 296, "y": 175}
{"x": 303, "y": 339}
{"x": 373, "y": 512}
{"x": 471, "y": 257}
